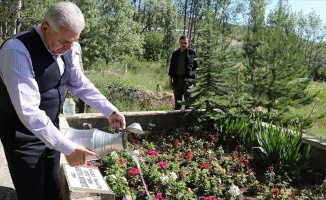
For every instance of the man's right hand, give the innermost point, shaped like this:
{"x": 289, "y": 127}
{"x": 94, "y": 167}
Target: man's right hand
{"x": 77, "y": 157}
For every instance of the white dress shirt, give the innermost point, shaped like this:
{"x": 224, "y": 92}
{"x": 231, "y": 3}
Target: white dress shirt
{"x": 16, "y": 71}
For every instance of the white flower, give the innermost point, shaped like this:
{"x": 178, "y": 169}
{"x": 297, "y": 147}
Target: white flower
{"x": 174, "y": 176}
{"x": 179, "y": 195}
{"x": 123, "y": 178}
{"x": 141, "y": 159}
{"x": 113, "y": 153}
{"x": 127, "y": 197}
{"x": 164, "y": 179}
{"x": 136, "y": 152}
{"x": 113, "y": 176}
{"x": 234, "y": 191}
{"x": 219, "y": 181}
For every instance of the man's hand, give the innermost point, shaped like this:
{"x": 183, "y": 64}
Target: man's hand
{"x": 77, "y": 157}
{"x": 117, "y": 121}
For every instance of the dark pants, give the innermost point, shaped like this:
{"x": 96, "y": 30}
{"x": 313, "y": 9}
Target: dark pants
{"x": 34, "y": 168}
{"x": 180, "y": 90}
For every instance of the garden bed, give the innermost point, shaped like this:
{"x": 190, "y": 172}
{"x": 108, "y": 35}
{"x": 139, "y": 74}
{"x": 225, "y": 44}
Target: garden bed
{"x": 192, "y": 163}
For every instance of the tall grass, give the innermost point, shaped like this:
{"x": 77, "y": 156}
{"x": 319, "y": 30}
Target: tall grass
{"x": 148, "y": 75}
{"x": 115, "y": 80}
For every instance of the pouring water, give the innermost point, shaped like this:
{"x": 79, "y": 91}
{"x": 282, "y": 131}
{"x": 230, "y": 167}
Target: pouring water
{"x": 103, "y": 143}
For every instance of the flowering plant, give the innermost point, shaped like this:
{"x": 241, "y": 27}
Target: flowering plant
{"x": 192, "y": 164}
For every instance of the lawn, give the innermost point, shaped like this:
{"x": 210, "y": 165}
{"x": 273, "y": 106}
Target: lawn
{"x": 152, "y": 76}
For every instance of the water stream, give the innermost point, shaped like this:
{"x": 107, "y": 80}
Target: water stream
{"x": 135, "y": 158}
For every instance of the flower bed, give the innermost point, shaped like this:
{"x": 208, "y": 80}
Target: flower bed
{"x": 195, "y": 163}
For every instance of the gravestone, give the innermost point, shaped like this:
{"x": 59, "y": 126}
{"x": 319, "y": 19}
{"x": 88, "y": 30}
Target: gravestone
{"x": 84, "y": 183}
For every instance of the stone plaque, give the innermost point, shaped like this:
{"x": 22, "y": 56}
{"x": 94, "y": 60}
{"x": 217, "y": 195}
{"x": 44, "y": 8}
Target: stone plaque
{"x": 85, "y": 178}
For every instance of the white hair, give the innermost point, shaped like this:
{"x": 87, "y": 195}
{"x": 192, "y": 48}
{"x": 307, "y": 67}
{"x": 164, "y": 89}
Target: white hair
{"x": 65, "y": 14}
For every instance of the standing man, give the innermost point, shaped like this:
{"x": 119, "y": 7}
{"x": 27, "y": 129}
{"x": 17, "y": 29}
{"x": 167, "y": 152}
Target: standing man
{"x": 182, "y": 67}
{"x": 36, "y": 68}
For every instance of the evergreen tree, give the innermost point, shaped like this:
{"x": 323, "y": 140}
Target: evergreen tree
{"x": 275, "y": 63}
{"x": 216, "y": 88}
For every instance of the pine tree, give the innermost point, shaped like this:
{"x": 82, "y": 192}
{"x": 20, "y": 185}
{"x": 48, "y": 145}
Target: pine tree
{"x": 217, "y": 86}
{"x": 275, "y": 64}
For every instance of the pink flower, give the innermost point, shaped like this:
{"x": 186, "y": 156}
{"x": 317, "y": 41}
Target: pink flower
{"x": 152, "y": 153}
{"x": 133, "y": 171}
{"x": 127, "y": 197}
{"x": 163, "y": 164}
{"x": 159, "y": 196}
{"x": 89, "y": 163}
{"x": 210, "y": 198}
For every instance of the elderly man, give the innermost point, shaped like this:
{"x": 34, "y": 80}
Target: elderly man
{"x": 36, "y": 67}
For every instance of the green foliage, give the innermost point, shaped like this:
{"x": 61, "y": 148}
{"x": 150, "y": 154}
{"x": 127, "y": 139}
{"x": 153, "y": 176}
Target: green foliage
{"x": 153, "y": 43}
{"x": 277, "y": 146}
{"x": 216, "y": 82}
{"x": 275, "y": 67}
{"x": 169, "y": 28}
{"x": 281, "y": 148}
{"x": 234, "y": 130}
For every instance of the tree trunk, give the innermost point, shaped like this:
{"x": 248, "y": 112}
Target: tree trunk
{"x": 16, "y": 17}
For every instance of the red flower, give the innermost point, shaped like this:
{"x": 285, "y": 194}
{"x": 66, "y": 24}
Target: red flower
{"x": 234, "y": 157}
{"x": 189, "y": 138}
{"x": 212, "y": 138}
{"x": 206, "y": 165}
{"x": 190, "y": 155}
{"x": 276, "y": 192}
{"x": 133, "y": 140}
{"x": 121, "y": 161}
{"x": 182, "y": 176}
{"x": 163, "y": 165}
{"x": 133, "y": 171}
{"x": 177, "y": 143}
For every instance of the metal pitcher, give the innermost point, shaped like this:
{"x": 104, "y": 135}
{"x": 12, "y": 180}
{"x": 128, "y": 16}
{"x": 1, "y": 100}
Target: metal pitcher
{"x": 100, "y": 142}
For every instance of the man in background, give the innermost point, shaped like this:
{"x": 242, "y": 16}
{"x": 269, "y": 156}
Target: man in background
{"x": 182, "y": 67}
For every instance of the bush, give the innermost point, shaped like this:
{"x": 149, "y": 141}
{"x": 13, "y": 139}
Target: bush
{"x": 153, "y": 46}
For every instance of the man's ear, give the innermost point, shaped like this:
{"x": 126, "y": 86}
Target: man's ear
{"x": 44, "y": 28}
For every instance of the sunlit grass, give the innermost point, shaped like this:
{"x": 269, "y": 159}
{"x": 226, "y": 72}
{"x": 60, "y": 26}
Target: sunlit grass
{"x": 148, "y": 75}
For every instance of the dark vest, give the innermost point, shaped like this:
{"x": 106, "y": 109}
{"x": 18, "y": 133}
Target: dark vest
{"x": 52, "y": 86}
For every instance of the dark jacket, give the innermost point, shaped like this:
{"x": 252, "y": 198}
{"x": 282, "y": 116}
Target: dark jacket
{"x": 190, "y": 64}
{"x": 52, "y": 85}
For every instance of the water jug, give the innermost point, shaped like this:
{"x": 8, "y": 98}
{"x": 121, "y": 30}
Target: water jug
{"x": 100, "y": 142}
{"x": 69, "y": 107}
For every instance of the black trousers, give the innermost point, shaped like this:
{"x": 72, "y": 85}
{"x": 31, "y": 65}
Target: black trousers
{"x": 180, "y": 90}
{"x": 34, "y": 168}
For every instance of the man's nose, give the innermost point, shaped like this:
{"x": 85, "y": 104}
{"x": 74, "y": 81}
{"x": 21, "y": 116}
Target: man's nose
{"x": 69, "y": 46}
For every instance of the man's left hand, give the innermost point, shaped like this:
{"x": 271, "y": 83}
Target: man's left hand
{"x": 117, "y": 120}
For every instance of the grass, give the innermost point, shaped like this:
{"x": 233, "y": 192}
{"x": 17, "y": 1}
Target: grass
{"x": 148, "y": 75}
